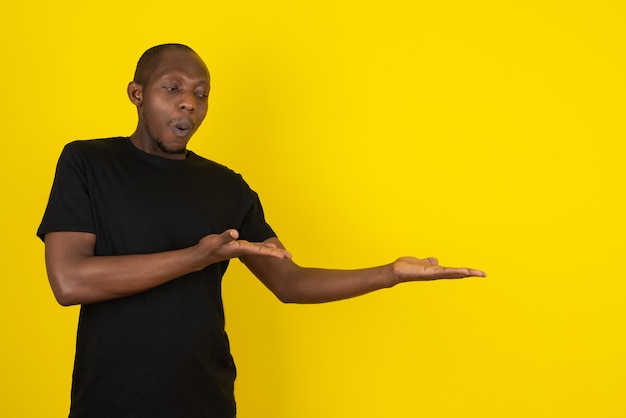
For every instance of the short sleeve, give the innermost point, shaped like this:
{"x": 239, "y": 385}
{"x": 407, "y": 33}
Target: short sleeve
{"x": 254, "y": 227}
{"x": 69, "y": 207}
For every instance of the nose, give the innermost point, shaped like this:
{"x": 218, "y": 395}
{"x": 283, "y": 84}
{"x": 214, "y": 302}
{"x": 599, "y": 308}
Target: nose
{"x": 188, "y": 102}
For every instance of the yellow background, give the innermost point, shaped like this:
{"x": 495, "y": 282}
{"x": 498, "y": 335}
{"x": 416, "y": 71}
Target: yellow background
{"x": 487, "y": 133}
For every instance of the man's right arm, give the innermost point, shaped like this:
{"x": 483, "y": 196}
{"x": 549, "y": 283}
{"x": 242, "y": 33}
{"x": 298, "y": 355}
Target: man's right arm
{"x": 77, "y": 276}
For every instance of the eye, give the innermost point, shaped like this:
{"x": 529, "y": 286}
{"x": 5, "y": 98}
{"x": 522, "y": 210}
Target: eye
{"x": 171, "y": 89}
{"x": 202, "y": 94}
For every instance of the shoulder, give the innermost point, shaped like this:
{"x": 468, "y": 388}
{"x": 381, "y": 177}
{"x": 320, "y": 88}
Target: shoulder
{"x": 202, "y": 163}
{"x": 89, "y": 146}
{"x": 88, "y": 149}
{"x": 93, "y": 152}
{"x": 219, "y": 173}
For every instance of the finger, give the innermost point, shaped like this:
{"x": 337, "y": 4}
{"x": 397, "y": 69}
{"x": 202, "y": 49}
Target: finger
{"x": 458, "y": 273}
{"x": 263, "y": 248}
{"x": 432, "y": 261}
{"x": 228, "y": 236}
{"x": 272, "y": 252}
{"x": 477, "y": 273}
{"x": 472, "y": 272}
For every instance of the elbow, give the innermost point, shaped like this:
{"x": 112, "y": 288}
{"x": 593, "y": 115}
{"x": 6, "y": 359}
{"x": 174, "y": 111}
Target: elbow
{"x": 281, "y": 296}
{"x": 290, "y": 295}
{"x": 64, "y": 293}
{"x": 66, "y": 256}
{"x": 285, "y": 298}
{"x": 285, "y": 295}
{"x": 65, "y": 299}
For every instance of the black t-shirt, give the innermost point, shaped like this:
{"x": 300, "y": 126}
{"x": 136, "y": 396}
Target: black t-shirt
{"x": 162, "y": 352}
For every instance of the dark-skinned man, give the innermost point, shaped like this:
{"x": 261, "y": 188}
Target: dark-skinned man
{"x": 139, "y": 230}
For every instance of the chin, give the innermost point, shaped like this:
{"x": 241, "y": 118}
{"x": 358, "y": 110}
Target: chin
{"x": 181, "y": 150}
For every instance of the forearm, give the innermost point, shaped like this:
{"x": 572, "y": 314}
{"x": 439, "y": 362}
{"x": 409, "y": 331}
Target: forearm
{"x": 313, "y": 285}
{"x": 294, "y": 284}
{"x": 90, "y": 279}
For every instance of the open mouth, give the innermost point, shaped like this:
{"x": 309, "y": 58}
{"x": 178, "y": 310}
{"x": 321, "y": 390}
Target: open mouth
{"x": 182, "y": 128}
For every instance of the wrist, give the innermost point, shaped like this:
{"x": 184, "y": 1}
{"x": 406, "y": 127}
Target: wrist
{"x": 195, "y": 257}
{"x": 392, "y": 277}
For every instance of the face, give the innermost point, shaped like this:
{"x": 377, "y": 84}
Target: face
{"x": 171, "y": 105}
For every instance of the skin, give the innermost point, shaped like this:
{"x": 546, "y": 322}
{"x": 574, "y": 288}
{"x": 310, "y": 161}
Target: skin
{"x": 170, "y": 107}
{"x": 172, "y": 104}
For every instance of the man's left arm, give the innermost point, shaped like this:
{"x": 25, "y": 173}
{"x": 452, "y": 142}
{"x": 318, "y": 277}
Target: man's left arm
{"x": 294, "y": 284}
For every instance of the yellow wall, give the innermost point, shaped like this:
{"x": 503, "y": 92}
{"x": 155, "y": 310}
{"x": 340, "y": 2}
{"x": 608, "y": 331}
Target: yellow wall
{"x": 486, "y": 133}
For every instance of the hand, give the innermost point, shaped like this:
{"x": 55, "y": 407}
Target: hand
{"x": 224, "y": 246}
{"x": 407, "y": 269}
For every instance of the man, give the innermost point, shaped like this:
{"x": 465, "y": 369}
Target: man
{"x": 139, "y": 231}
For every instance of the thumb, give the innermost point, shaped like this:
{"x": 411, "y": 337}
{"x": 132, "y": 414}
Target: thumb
{"x": 228, "y": 236}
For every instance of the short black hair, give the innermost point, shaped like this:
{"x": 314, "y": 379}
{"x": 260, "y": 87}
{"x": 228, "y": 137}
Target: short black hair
{"x": 149, "y": 61}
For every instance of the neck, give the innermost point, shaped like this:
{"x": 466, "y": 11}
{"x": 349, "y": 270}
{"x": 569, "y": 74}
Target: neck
{"x": 152, "y": 145}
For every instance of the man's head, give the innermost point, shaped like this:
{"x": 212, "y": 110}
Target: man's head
{"x": 170, "y": 89}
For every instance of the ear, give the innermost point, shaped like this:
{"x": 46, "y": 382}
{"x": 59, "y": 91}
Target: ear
{"x": 135, "y": 93}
